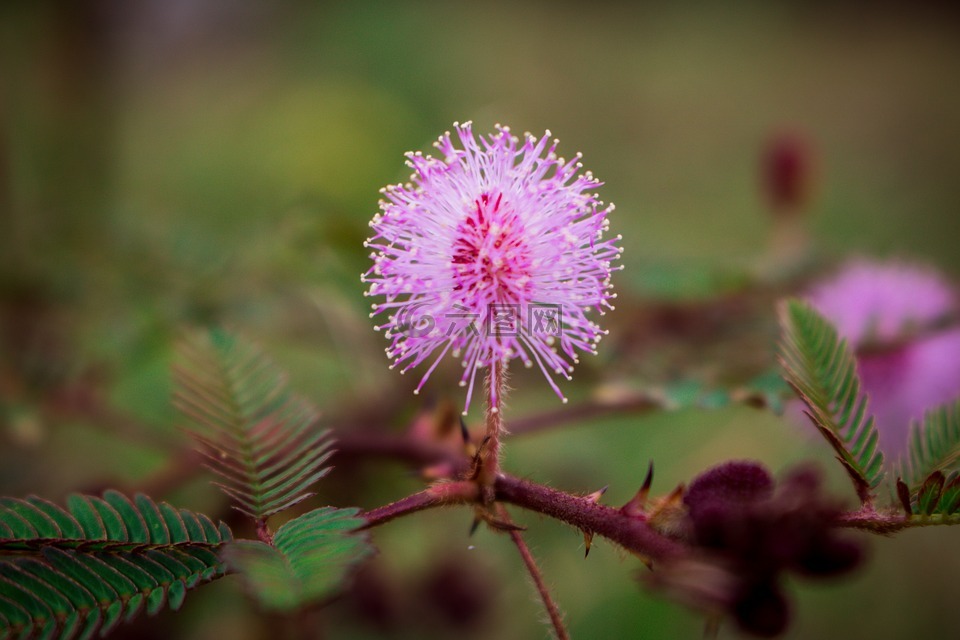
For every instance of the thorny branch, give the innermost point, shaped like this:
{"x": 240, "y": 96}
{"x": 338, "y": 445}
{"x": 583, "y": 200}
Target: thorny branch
{"x": 629, "y": 531}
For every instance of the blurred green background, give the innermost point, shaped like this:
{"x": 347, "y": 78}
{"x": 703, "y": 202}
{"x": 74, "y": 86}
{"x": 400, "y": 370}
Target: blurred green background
{"x": 166, "y": 164}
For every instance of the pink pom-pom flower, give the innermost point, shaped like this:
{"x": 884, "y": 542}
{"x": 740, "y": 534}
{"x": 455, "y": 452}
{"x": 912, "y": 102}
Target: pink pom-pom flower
{"x": 492, "y": 252}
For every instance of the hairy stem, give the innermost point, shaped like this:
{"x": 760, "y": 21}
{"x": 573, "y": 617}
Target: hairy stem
{"x": 868, "y": 519}
{"x": 437, "y": 495}
{"x": 629, "y": 531}
{"x": 490, "y": 466}
{"x": 556, "y": 618}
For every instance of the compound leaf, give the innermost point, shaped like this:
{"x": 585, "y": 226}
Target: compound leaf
{"x": 934, "y": 444}
{"x": 310, "y": 558}
{"x": 81, "y": 570}
{"x": 259, "y": 438}
{"x": 822, "y": 370}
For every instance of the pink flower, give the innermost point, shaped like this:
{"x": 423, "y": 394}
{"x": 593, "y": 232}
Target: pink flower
{"x": 494, "y": 251}
{"x": 892, "y": 315}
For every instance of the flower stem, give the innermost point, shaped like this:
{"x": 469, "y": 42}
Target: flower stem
{"x": 553, "y": 611}
{"x": 490, "y": 462}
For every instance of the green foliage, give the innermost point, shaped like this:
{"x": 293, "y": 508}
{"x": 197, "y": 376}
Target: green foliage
{"x": 934, "y": 445}
{"x": 933, "y": 486}
{"x": 81, "y": 570}
{"x": 261, "y": 440}
{"x": 111, "y": 522}
{"x": 822, "y": 369}
{"x": 937, "y": 497}
{"x": 310, "y": 557}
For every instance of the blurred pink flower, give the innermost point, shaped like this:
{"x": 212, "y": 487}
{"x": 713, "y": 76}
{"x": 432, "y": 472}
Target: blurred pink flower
{"x": 493, "y": 252}
{"x": 892, "y": 315}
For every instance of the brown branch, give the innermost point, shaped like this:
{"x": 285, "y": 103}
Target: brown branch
{"x": 629, "y": 531}
{"x": 556, "y": 618}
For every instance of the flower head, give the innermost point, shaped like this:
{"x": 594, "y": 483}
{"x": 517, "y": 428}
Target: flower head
{"x": 895, "y": 317}
{"x": 494, "y": 251}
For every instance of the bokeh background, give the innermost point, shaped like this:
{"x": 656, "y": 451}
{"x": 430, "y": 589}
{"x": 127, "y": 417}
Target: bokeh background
{"x": 169, "y": 164}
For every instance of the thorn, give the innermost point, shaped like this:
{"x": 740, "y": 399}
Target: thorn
{"x": 676, "y": 496}
{"x": 648, "y": 481}
{"x": 495, "y": 523}
{"x": 587, "y": 541}
{"x": 638, "y": 503}
{"x": 668, "y": 515}
{"x": 478, "y": 459}
{"x": 595, "y": 496}
{"x": 503, "y": 525}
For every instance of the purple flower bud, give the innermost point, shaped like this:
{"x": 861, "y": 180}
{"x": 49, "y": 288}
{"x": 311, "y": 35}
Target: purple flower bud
{"x": 757, "y": 530}
{"x": 736, "y": 482}
{"x": 787, "y": 173}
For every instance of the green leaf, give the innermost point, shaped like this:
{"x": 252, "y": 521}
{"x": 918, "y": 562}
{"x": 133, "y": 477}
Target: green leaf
{"x": 929, "y": 494}
{"x": 934, "y": 444}
{"x": 260, "y": 439}
{"x": 950, "y": 498}
{"x": 822, "y": 370}
{"x": 95, "y": 524}
{"x": 81, "y": 570}
{"x": 310, "y": 558}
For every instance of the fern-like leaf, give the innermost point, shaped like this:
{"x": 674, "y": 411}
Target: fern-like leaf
{"x": 934, "y": 445}
{"x": 822, "y": 369}
{"x": 76, "y": 571}
{"x": 310, "y": 558}
{"x": 259, "y": 438}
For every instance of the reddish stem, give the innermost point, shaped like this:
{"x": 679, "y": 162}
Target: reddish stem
{"x": 631, "y": 532}
{"x": 438, "y": 495}
{"x": 556, "y": 618}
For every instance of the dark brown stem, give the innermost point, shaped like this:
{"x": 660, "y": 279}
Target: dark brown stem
{"x": 556, "y": 618}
